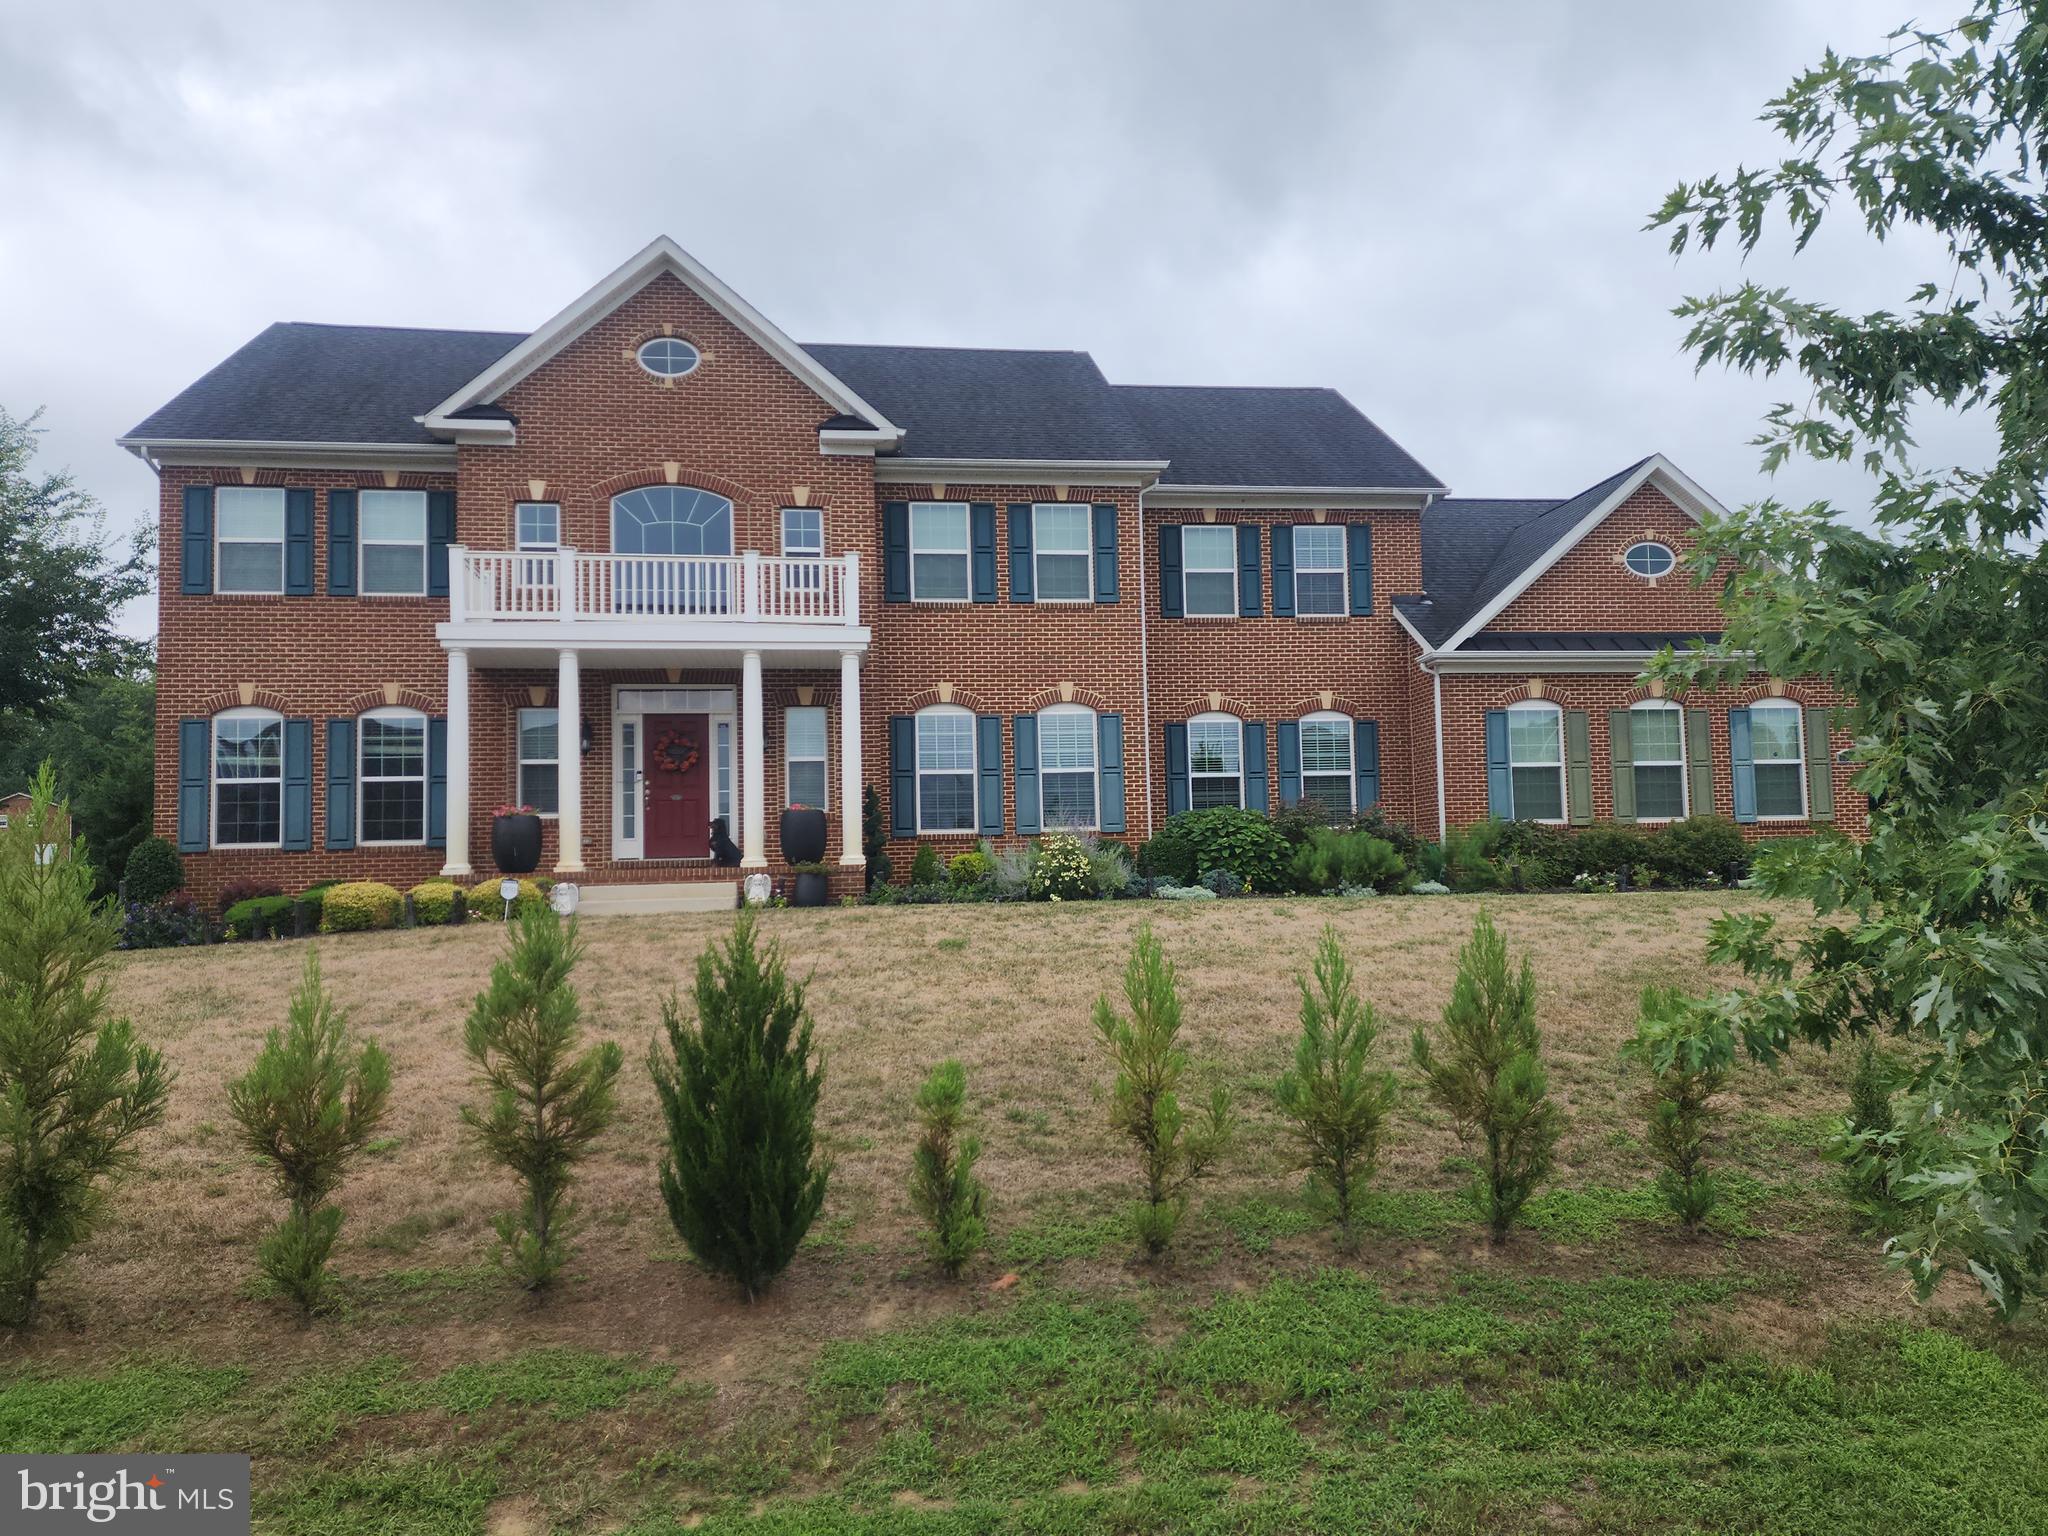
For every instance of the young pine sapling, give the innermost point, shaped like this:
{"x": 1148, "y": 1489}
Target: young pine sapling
{"x": 1689, "y": 1053}
{"x": 943, "y": 1188}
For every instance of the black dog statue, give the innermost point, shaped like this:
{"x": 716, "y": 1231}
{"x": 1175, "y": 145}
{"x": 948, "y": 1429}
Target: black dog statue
{"x": 723, "y": 849}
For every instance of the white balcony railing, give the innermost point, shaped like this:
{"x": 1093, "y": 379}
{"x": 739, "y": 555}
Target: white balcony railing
{"x": 566, "y": 586}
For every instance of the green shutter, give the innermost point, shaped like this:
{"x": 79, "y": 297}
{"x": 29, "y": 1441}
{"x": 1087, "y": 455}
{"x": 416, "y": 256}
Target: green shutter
{"x": 1820, "y": 767}
{"x": 896, "y": 564}
{"x": 437, "y": 782}
{"x": 440, "y": 534}
{"x": 1287, "y": 746}
{"x": 1176, "y": 767}
{"x": 903, "y": 775}
{"x": 1358, "y": 551}
{"x": 341, "y": 783}
{"x": 1578, "y": 752}
{"x": 341, "y": 543}
{"x": 298, "y": 543}
{"x": 989, "y": 758}
{"x": 1021, "y": 569}
{"x": 1699, "y": 761}
{"x": 1500, "y": 782}
{"x": 1024, "y": 746}
{"x": 1365, "y": 747}
{"x": 981, "y": 521}
{"x": 1283, "y": 576}
{"x": 195, "y": 745}
{"x": 195, "y": 543}
{"x": 297, "y": 831}
{"x": 1256, "y": 796}
{"x": 1109, "y": 786}
{"x": 1105, "y": 552}
{"x": 1250, "y": 590}
{"x": 1741, "y": 765}
{"x": 1171, "y": 588}
{"x": 1621, "y": 753}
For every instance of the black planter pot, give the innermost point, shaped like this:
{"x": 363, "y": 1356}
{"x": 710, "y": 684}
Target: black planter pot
{"x": 515, "y": 844}
{"x": 803, "y": 836}
{"x": 813, "y": 888}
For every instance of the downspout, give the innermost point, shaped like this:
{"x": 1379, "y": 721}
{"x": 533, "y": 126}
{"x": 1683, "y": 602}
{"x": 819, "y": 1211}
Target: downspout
{"x": 1144, "y": 662}
{"x": 1436, "y": 683}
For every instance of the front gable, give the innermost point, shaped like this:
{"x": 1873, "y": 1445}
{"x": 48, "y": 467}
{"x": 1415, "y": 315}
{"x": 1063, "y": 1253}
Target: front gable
{"x": 1589, "y": 588}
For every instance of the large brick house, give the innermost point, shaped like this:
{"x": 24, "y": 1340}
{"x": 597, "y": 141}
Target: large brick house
{"x": 655, "y": 563}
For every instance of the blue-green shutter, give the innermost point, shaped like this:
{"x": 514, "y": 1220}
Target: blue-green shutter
{"x": 341, "y": 783}
{"x": 195, "y": 744}
{"x": 903, "y": 775}
{"x": 298, "y": 544}
{"x": 296, "y": 834}
{"x": 1287, "y": 745}
{"x": 1024, "y": 747}
{"x": 1283, "y": 574}
{"x": 440, "y": 534}
{"x": 195, "y": 544}
{"x": 1105, "y": 552}
{"x": 1250, "y": 593}
{"x": 981, "y": 520}
{"x": 1109, "y": 783}
{"x": 437, "y": 782}
{"x": 1176, "y": 767}
{"x": 341, "y": 544}
{"x": 1365, "y": 762}
{"x": 1022, "y": 572}
{"x": 1358, "y": 546}
{"x": 989, "y": 757}
{"x": 1171, "y": 589}
{"x": 896, "y": 566}
{"x": 1820, "y": 768}
{"x": 1500, "y": 784}
{"x": 1256, "y": 795}
{"x": 1742, "y": 778}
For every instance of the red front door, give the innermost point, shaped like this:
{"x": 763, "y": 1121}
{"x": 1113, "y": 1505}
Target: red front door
{"x": 678, "y": 780}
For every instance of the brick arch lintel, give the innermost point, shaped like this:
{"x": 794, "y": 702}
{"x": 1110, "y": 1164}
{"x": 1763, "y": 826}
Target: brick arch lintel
{"x": 230, "y": 697}
{"x": 1791, "y": 693}
{"x": 1045, "y": 698}
{"x": 1220, "y": 703}
{"x": 965, "y": 698}
{"x": 374, "y": 698}
{"x": 1339, "y": 704}
{"x": 695, "y": 476}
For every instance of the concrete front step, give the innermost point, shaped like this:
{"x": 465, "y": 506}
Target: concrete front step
{"x": 678, "y": 896}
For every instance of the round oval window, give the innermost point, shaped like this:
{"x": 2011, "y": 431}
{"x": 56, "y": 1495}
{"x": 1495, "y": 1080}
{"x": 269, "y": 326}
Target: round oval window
{"x": 667, "y": 357}
{"x": 1649, "y": 559}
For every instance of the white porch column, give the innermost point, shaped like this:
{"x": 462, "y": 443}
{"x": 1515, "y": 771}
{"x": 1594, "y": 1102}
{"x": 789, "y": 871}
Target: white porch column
{"x": 458, "y": 766}
{"x": 753, "y": 767}
{"x": 851, "y": 853}
{"x": 569, "y": 745}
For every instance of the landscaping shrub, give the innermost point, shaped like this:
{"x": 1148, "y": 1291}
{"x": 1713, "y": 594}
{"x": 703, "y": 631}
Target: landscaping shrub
{"x": 435, "y": 901}
{"x": 924, "y": 865}
{"x": 1609, "y": 847}
{"x": 1243, "y": 842}
{"x": 1535, "y": 857}
{"x": 359, "y": 905}
{"x": 973, "y": 868}
{"x": 1864, "y": 1142}
{"x": 741, "y": 1175}
{"x": 1109, "y": 866}
{"x": 154, "y": 871}
{"x": 242, "y": 889}
{"x": 1400, "y": 834}
{"x": 258, "y": 916}
{"x": 1170, "y": 852}
{"x": 75, "y": 1087}
{"x": 1330, "y": 860}
{"x": 313, "y": 901}
{"x": 164, "y": 924}
{"x": 1489, "y": 1074}
{"x": 1061, "y": 872}
{"x": 1145, "y": 1046}
{"x": 874, "y": 837}
{"x": 1183, "y": 893}
{"x": 1301, "y": 820}
{"x": 1689, "y": 1054}
{"x": 1469, "y": 857}
{"x": 1700, "y": 850}
{"x": 306, "y": 1109}
{"x": 1335, "y": 1103}
{"x": 546, "y": 1100}
{"x": 1222, "y": 882}
{"x": 484, "y": 901}
{"x": 943, "y": 1188}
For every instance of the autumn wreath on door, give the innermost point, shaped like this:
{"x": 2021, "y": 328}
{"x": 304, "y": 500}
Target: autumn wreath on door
{"x": 676, "y": 751}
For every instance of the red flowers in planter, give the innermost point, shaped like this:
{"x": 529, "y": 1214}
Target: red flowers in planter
{"x": 515, "y": 810}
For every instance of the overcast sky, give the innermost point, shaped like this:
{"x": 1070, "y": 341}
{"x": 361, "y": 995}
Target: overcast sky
{"x": 1436, "y": 208}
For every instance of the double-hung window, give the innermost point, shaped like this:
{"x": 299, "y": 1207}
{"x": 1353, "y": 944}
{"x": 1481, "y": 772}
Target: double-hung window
{"x": 248, "y": 778}
{"x": 1319, "y": 571}
{"x": 540, "y": 760}
{"x": 1536, "y": 761}
{"x": 938, "y": 551}
{"x": 1208, "y": 563}
{"x": 1778, "y": 751}
{"x": 1060, "y": 553}
{"x": 803, "y": 548}
{"x": 1215, "y": 761}
{"x": 803, "y": 751}
{"x": 945, "y": 769}
{"x": 1066, "y": 768}
{"x": 1656, "y": 734}
{"x": 1326, "y": 763}
{"x": 248, "y": 538}
{"x": 391, "y": 746}
{"x": 394, "y": 541}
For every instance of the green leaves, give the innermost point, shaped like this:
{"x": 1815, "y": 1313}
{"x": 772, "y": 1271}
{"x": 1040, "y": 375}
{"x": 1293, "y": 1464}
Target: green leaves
{"x": 943, "y": 1188}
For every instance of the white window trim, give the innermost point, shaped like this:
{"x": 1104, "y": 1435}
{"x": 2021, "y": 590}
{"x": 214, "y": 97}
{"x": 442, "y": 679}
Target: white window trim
{"x": 363, "y": 544}
{"x": 393, "y": 712}
{"x": 1798, "y": 714}
{"x": 520, "y": 760}
{"x": 1343, "y": 570}
{"x": 823, "y": 757}
{"x": 219, "y": 538}
{"x": 1094, "y": 769}
{"x": 932, "y": 711}
{"x": 214, "y": 780}
{"x": 1670, "y": 553}
{"x": 1659, "y": 706}
{"x": 1187, "y": 569}
{"x": 640, "y": 358}
{"x": 1215, "y": 717}
{"x": 1350, "y": 775}
{"x": 521, "y": 541}
{"x": 1087, "y": 551}
{"x": 965, "y": 552}
{"x": 1564, "y": 779}
{"x": 807, "y": 553}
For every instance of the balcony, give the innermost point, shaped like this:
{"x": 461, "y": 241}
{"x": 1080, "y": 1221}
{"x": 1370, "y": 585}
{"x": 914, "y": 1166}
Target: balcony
{"x": 566, "y": 587}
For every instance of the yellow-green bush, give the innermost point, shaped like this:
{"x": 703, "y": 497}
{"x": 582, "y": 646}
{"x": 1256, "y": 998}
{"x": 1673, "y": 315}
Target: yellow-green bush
{"x": 485, "y": 902}
{"x": 360, "y": 904}
{"x": 433, "y": 901}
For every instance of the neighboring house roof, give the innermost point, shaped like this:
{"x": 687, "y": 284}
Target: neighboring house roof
{"x": 1219, "y": 435}
{"x": 1587, "y": 640}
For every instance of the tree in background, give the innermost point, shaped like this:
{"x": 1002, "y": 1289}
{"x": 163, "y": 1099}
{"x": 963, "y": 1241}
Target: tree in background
{"x": 943, "y": 1188}
{"x": 1335, "y": 1103}
{"x": 1688, "y": 1053}
{"x": 75, "y": 1087}
{"x": 548, "y": 1100}
{"x": 1488, "y": 1072}
{"x": 1935, "y": 931}
{"x": 101, "y": 739}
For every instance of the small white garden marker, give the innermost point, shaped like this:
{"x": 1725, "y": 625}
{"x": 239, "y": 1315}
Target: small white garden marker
{"x": 509, "y": 889}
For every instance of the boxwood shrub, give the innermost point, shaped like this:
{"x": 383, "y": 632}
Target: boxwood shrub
{"x": 484, "y": 901}
{"x": 273, "y": 912}
{"x": 434, "y": 901}
{"x": 360, "y": 905}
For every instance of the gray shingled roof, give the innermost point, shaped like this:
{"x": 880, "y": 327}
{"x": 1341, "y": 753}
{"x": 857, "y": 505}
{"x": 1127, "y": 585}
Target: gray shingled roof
{"x": 1586, "y": 640}
{"x": 300, "y": 383}
{"x": 1214, "y": 435}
